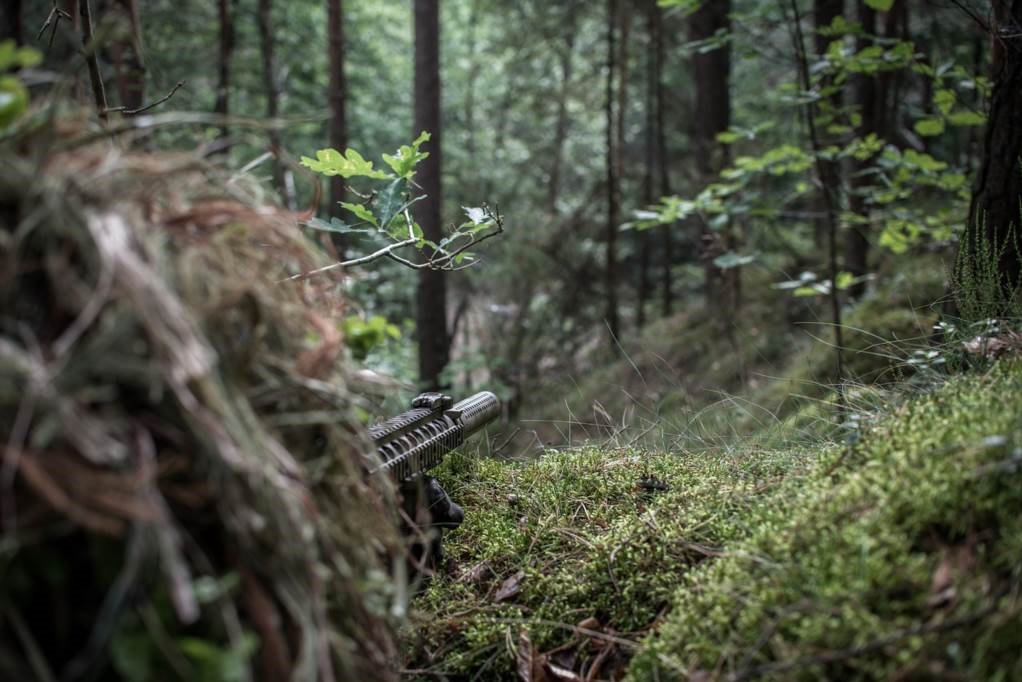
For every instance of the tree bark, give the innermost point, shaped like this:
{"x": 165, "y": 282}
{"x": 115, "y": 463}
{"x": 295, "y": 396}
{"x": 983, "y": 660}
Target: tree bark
{"x": 644, "y": 287}
{"x": 711, "y": 73}
{"x": 994, "y": 212}
{"x": 11, "y": 23}
{"x": 613, "y": 207}
{"x": 264, "y": 17}
{"x": 667, "y": 236}
{"x": 825, "y": 11}
{"x": 337, "y": 96}
{"x": 434, "y": 345}
{"x": 125, "y": 50}
{"x": 870, "y": 104}
{"x": 566, "y": 56}
{"x": 226, "y": 49}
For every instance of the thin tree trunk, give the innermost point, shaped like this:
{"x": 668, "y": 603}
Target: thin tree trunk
{"x": 711, "y": 71}
{"x": 11, "y": 21}
{"x": 470, "y": 87}
{"x": 567, "y": 54}
{"x": 337, "y": 95}
{"x": 870, "y": 102}
{"x": 994, "y": 213}
{"x": 830, "y": 207}
{"x": 613, "y": 208}
{"x": 825, "y": 11}
{"x": 127, "y": 57}
{"x": 92, "y": 59}
{"x": 667, "y": 235}
{"x": 434, "y": 345}
{"x": 264, "y": 17}
{"x": 226, "y": 49}
{"x": 644, "y": 288}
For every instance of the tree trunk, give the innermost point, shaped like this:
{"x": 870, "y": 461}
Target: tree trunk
{"x": 711, "y": 73}
{"x": 994, "y": 212}
{"x": 566, "y": 56}
{"x": 11, "y": 24}
{"x": 644, "y": 287}
{"x": 264, "y": 17}
{"x": 667, "y": 236}
{"x": 433, "y": 340}
{"x": 870, "y": 104}
{"x": 337, "y": 96}
{"x": 226, "y": 49}
{"x": 825, "y": 11}
{"x": 125, "y": 53}
{"x": 613, "y": 207}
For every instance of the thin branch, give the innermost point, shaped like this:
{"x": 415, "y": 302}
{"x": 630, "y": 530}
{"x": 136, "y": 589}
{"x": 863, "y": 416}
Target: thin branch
{"x": 54, "y": 17}
{"x": 91, "y": 49}
{"x": 354, "y": 261}
{"x": 124, "y": 111}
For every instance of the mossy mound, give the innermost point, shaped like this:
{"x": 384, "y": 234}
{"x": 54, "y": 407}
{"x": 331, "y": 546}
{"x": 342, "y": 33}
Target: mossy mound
{"x": 182, "y": 481}
{"x": 897, "y": 555}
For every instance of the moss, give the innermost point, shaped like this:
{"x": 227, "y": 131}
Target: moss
{"x": 897, "y": 556}
{"x": 902, "y": 561}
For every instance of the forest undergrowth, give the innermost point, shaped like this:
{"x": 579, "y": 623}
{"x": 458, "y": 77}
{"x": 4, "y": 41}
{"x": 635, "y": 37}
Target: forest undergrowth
{"x": 756, "y": 538}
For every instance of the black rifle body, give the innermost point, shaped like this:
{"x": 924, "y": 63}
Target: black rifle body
{"x": 415, "y": 441}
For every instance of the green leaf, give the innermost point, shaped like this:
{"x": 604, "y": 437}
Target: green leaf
{"x": 13, "y": 100}
{"x": 880, "y": 5}
{"x": 404, "y": 162}
{"x": 331, "y": 162}
{"x": 389, "y": 202}
{"x": 945, "y": 100}
{"x": 132, "y": 656}
{"x": 335, "y": 225}
{"x": 967, "y": 118}
{"x": 361, "y": 212}
{"x": 731, "y": 260}
{"x": 929, "y": 127}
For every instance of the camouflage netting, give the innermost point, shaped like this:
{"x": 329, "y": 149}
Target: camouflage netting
{"x": 182, "y": 479}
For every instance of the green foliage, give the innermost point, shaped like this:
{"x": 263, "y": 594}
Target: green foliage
{"x": 363, "y": 335}
{"x": 385, "y": 209}
{"x": 13, "y": 93}
{"x": 881, "y": 546}
{"x": 762, "y": 557}
{"x": 982, "y": 292}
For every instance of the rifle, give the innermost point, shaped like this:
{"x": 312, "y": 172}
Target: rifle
{"x": 413, "y": 442}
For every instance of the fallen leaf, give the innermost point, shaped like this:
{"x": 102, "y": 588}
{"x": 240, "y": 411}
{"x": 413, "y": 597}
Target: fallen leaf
{"x": 510, "y": 587}
{"x": 530, "y": 663}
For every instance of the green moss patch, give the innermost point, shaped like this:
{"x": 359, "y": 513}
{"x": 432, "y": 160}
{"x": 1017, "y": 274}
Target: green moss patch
{"x": 897, "y": 556}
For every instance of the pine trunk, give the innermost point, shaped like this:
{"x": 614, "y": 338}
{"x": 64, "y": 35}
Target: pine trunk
{"x": 337, "y": 96}
{"x": 264, "y": 17}
{"x": 711, "y": 72}
{"x": 226, "y": 49}
{"x": 432, "y": 291}
{"x": 613, "y": 207}
{"x": 994, "y": 212}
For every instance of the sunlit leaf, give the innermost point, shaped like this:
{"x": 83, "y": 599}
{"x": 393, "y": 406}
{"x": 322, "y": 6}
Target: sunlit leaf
{"x": 331, "y": 162}
{"x": 967, "y": 118}
{"x": 929, "y": 127}
{"x": 361, "y": 212}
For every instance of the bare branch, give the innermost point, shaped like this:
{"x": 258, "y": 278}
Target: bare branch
{"x": 124, "y": 111}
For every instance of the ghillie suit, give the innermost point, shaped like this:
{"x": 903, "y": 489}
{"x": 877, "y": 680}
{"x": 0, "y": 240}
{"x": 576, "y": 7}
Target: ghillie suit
{"x": 182, "y": 484}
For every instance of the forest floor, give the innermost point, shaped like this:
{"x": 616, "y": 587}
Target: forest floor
{"x": 886, "y": 547}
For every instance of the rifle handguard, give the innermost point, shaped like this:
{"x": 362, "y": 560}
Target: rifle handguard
{"x": 415, "y": 441}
